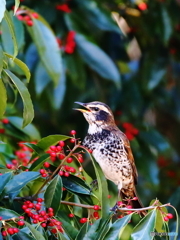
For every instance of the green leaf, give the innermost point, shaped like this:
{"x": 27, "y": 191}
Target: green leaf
{"x": 155, "y": 139}
{"x": 50, "y": 140}
{"x": 7, "y": 214}
{"x": 144, "y": 228}
{"x": 2, "y": 9}
{"x": 53, "y": 193}
{"x": 3, "y": 98}
{"x": 4, "y": 179}
{"x": 28, "y": 112}
{"x": 47, "y": 47}
{"x": 69, "y": 229}
{"x": 76, "y": 185}
{"x": 19, "y": 181}
{"x": 35, "y": 233}
{"x": 167, "y": 25}
{"x": 82, "y": 231}
{"x": 22, "y": 65}
{"x": 1, "y": 60}
{"x": 156, "y": 76}
{"x": 22, "y": 236}
{"x": 17, "y": 2}
{"x": 30, "y": 130}
{"x": 38, "y": 163}
{"x": 97, "y": 59}
{"x": 116, "y": 227}
{"x": 103, "y": 189}
{"x": 9, "y": 22}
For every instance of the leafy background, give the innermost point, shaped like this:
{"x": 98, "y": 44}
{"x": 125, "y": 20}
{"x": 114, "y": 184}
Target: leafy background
{"x": 81, "y": 54}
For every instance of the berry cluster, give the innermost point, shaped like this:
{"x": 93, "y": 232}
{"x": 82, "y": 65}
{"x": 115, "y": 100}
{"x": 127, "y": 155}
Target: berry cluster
{"x": 63, "y": 7}
{"x": 7, "y": 229}
{"x": 27, "y": 17}
{"x": 4, "y": 121}
{"x": 130, "y": 130}
{"x": 45, "y": 218}
{"x": 69, "y": 44}
{"x": 23, "y": 155}
{"x": 168, "y": 216}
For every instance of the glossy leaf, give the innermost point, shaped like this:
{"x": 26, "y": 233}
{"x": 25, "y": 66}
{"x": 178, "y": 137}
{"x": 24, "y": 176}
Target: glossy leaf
{"x": 29, "y": 130}
{"x": 59, "y": 91}
{"x": 82, "y": 231}
{"x": 103, "y": 189}
{"x": 53, "y": 193}
{"x": 39, "y": 162}
{"x": 7, "y": 213}
{"x": 155, "y": 139}
{"x": 144, "y": 228}
{"x": 28, "y": 111}
{"x": 35, "y": 233}
{"x": 97, "y": 59}
{"x": 116, "y": 227}
{"x": 10, "y": 25}
{"x": 167, "y": 28}
{"x": 1, "y": 60}
{"x": 41, "y": 73}
{"x": 69, "y": 229}
{"x": 19, "y": 181}
{"x": 76, "y": 185}
{"x": 3, "y": 98}
{"x": 22, "y": 65}
{"x": 47, "y": 47}
{"x": 22, "y": 236}
{"x": 50, "y": 140}
{"x": 4, "y": 179}
{"x": 2, "y": 9}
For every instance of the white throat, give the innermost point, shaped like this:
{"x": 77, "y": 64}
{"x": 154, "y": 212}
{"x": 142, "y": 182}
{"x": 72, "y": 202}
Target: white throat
{"x": 93, "y": 128}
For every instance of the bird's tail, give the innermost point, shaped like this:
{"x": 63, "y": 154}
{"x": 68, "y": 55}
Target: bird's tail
{"x": 135, "y": 202}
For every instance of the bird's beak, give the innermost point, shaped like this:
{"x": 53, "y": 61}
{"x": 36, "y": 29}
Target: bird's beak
{"x": 82, "y": 110}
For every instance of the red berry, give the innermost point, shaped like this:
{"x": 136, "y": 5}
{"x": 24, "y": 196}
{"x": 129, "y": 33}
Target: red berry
{"x": 170, "y": 215}
{"x": 35, "y": 15}
{"x": 1, "y": 218}
{"x": 5, "y": 121}
{"x": 53, "y": 154}
{"x": 43, "y": 225}
{"x": 21, "y": 217}
{"x": 35, "y": 221}
{"x": 142, "y": 6}
{"x": 30, "y": 23}
{"x": 9, "y": 166}
{"x": 90, "y": 151}
{"x": 39, "y": 200}
{"x": 53, "y": 148}
{"x": 72, "y": 170}
{"x": 66, "y": 174}
{"x": 10, "y": 231}
{"x": 58, "y": 149}
{"x": 50, "y": 214}
{"x": 71, "y": 215}
{"x": 30, "y": 205}
{"x": 96, "y": 215}
{"x": 119, "y": 203}
{"x": 16, "y": 230}
{"x": 50, "y": 210}
{"x": 83, "y": 220}
{"x": 44, "y": 175}
{"x": 135, "y": 198}
{"x": 96, "y": 207}
{"x": 72, "y": 140}
{"x": 20, "y": 17}
{"x": 4, "y": 233}
{"x": 20, "y": 223}
{"x": 61, "y": 173}
{"x": 61, "y": 156}
{"x": 129, "y": 206}
{"x": 42, "y": 171}
{"x": 73, "y": 132}
{"x": 166, "y": 219}
{"x": 46, "y": 165}
{"x": 69, "y": 160}
{"x": 42, "y": 213}
{"x": 61, "y": 143}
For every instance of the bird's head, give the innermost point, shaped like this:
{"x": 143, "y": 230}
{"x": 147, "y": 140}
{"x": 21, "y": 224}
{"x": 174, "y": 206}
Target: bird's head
{"x": 98, "y": 115}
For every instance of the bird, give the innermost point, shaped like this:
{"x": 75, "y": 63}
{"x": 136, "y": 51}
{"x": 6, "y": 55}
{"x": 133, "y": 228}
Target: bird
{"x": 111, "y": 149}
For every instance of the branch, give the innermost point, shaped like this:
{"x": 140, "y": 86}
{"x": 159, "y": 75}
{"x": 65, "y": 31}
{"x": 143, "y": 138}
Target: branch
{"x": 32, "y": 198}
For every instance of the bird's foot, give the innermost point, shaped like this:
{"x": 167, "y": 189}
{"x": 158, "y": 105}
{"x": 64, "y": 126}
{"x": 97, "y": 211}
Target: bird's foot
{"x": 94, "y": 185}
{"x": 115, "y": 208}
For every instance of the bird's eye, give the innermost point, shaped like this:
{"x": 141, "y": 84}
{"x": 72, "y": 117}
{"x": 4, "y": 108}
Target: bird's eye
{"x": 96, "y": 109}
